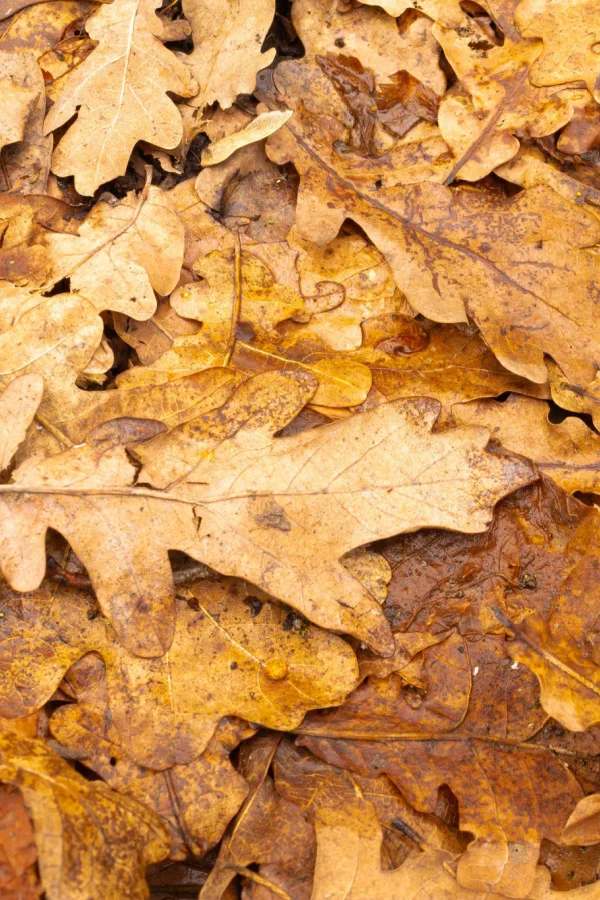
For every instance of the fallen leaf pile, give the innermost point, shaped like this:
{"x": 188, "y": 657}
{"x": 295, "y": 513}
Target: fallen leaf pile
{"x": 299, "y": 449}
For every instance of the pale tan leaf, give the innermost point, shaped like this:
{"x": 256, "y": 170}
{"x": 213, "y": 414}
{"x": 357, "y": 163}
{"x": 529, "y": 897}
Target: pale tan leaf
{"x": 18, "y": 405}
{"x": 258, "y": 129}
{"x": 228, "y": 36}
{"x": 119, "y": 94}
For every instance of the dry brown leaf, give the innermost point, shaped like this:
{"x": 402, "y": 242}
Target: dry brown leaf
{"x": 196, "y": 800}
{"x": 568, "y": 453}
{"x": 510, "y": 281}
{"x": 561, "y": 647}
{"x": 510, "y": 793}
{"x": 18, "y": 405}
{"x": 448, "y": 12}
{"x": 300, "y": 565}
{"x": 89, "y": 840}
{"x": 571, "y": 32}
{"x": 228, "y": 38}
{"x": 258, "y": 129}
{"x": 497, "y": 104}
{"x": 275, "y": 498}
{"x": 373, "y": 37}
{"x": 119, "y": 94}
{"x": 165, "y": 711}
{"x": 18, "y": 853}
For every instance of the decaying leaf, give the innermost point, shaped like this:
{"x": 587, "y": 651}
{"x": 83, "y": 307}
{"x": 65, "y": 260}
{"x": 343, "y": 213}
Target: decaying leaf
{"x": 119, "y": 94}
{"x": 164, "y": 712}
{"x": 496, "y": 274}
{"x": 88, "y": 838}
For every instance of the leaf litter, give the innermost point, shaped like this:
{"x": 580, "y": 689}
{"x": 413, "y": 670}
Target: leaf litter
{"x": 299, "y": 416}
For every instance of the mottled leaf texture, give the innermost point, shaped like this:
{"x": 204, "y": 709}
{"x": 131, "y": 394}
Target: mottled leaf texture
{"x": 119, "y": 94}
{"x": 570, "y": 31}
{"x": 279, "y": 512}
{"x": 91, "y": 842}
{"x": 165, "y": 711}
{"x": 518, "y": 266}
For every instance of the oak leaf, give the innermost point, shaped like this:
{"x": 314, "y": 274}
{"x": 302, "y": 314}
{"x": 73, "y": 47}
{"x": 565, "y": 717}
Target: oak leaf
{"x": 89, "y": 839}
{"x": 482, "y": 752}
{"x": 447, "y": 271}
{"x": 569, "y": 453}
{"x": 227, "y": 54}
{"x": 278, "y": 500}
{"x": 196, "y": 800}
{"x": 497, "y": 105}
{"x": 165, "y": 711}
{"x": 570, "y": 32}
{"x": 119, "y": 94}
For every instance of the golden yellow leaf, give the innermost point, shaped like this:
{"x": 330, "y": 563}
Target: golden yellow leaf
{"x": 571, "y": 33}
{"x": 91, "y": 842}
{"x": 165, "y": 711}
